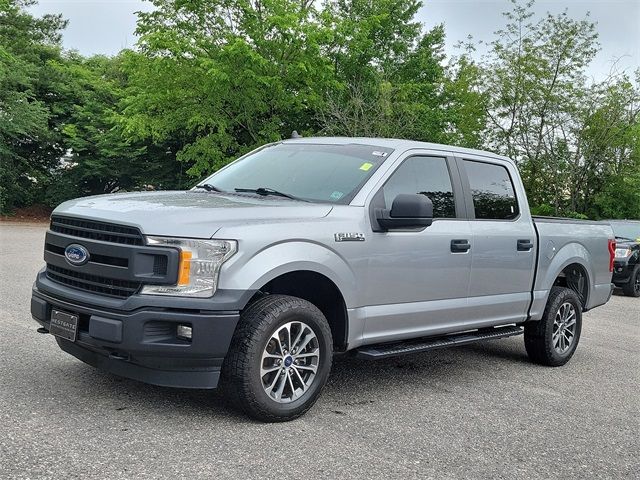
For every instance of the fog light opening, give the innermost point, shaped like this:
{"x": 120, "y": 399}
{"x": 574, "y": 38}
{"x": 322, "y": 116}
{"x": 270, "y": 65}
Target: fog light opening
{"x": 184, "y": 332}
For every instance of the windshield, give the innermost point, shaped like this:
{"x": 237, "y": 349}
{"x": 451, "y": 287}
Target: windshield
{"x": 313, "y": 172}
{"x": 627, "y": 230}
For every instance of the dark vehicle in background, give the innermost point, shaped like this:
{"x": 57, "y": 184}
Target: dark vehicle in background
{"x": 626, "y": 273}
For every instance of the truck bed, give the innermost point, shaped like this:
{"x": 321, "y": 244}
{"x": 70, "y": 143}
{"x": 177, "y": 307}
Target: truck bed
{"x": 563, "y": 242}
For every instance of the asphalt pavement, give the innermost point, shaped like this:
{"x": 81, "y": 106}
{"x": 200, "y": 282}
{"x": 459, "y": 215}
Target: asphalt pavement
{"x": 480, "y": 411}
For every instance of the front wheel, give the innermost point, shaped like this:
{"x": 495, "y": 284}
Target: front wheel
{"x": 553, "y": 340}
{"x": 279, "y": 359}
{"x": 632, "y": 288}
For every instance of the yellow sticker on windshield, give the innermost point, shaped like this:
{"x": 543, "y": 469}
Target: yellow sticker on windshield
{"x": 366, "y": 166}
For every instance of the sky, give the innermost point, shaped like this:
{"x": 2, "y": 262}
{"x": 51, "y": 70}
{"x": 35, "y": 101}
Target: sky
{"x": 107, "y": 26}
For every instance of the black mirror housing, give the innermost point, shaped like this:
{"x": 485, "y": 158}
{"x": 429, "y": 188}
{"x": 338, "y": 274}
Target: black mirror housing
{"x": 407, "y": 211}
{"x": 412, "y": 206}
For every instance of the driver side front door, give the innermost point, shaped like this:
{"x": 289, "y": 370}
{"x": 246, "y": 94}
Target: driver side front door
{"x": 418, "y": 279}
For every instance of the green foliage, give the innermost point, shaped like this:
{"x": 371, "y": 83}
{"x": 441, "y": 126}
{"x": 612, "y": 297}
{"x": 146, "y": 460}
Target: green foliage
{"x": 465, "y": 104}
{"x": 213, "y": 79}
{"x": 225, "y": 77}
{"x": 573, "y": 141}
{"x": 28, "y": 103}
{"x": 59, "y": 132}
{"x": 399, "y": 95}
{"x": 101, "y": 159}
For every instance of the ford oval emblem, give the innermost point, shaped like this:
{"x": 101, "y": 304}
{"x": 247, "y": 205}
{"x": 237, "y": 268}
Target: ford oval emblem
{"x": 76, "y": 254}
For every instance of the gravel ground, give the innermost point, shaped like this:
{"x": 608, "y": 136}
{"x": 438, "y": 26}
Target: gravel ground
{"x": 480, "y": 411}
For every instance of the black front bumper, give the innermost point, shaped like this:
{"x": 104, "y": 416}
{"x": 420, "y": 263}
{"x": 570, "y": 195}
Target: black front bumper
{"x": 142, "y": 344}
{"x": 622, "y": 273}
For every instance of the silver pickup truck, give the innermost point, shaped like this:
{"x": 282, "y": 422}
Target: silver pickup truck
{"x": 306, "y": 247}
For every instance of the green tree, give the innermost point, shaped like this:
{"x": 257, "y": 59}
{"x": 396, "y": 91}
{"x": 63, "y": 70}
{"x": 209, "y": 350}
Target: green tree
{"x": 223, "y": 77}
{"x": 574, "y": 142}
{"x": 534, "y": 77}
{"x": 389, "y": 74}
{"x": 100, "y": 159}
{"x": 606, "y": 180}
{"x": 29, "y": 101}
{"x": 465, "y": 103}
{"x": 211, "y": 80}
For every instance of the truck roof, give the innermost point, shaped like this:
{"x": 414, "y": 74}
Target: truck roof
{"x": 396, "y": 144}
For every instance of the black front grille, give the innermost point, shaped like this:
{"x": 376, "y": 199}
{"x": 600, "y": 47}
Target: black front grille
{"x": 104, "y": 232}
{"x": 95, "y": 258}
{"x": 92, "y": 283}
{"x": 118, "y": 260}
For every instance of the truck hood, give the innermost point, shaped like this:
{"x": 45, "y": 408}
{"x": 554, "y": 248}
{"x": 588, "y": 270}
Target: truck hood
{"x": 189, "y": 213}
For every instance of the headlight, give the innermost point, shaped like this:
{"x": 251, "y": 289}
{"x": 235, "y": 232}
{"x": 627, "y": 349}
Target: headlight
{"x": 623, "y": 252}
{"x": 200, "y": 262}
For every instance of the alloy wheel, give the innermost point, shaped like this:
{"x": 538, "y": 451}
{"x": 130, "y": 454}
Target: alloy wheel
{"x": 289, "y": 362}
{"x": 564, "y": 328}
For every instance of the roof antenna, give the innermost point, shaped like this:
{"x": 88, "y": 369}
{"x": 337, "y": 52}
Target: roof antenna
{"x": 295, "y": 134}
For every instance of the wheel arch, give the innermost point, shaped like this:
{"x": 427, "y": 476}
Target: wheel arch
{"x": 304, "y": 269}
{"x": 575, "y": 277}
{"x": 317, "y": 289}
{"x": 553, "y": 270}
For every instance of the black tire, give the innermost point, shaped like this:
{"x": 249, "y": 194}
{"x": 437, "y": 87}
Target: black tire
{"x": 241, "y": 377}
{"x": 539, "y": 336}
{"x": 632, "y": 288}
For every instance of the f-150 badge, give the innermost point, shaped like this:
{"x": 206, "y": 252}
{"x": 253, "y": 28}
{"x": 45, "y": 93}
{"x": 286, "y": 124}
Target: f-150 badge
{"x": 349, "y": 237}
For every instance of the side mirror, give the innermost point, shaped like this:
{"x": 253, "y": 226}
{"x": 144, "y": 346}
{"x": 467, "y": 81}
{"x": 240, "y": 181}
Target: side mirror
{"x": 407, "y": 210}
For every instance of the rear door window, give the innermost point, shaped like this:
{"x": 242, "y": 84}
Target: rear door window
{"x": 492, "y": 190}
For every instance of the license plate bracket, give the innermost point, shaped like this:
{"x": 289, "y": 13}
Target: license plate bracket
{"x": 64, "y": 325}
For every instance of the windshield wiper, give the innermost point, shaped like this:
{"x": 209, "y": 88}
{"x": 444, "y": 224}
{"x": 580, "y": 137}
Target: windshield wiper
{"x": 269, "y": 191}
{"x": 208, "y": 187}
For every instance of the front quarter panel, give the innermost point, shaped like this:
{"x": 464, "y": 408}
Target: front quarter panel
{"x": 263, "y": 256}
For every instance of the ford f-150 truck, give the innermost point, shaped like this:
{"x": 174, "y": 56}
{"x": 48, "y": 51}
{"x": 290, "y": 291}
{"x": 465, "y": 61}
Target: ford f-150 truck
{"x": 254, "y": 278}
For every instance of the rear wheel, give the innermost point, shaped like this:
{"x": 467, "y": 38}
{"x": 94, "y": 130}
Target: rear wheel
{"x": 632, "y": 288}
{"x": 279, "y": 359}
{"x": 553, "y": 340}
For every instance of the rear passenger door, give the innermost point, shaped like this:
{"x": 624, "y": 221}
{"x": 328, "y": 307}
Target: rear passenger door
{"x": 504, "y": 239}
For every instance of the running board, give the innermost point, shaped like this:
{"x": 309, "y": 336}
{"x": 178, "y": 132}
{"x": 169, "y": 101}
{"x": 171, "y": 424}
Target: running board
{"x": 376, "y": 352}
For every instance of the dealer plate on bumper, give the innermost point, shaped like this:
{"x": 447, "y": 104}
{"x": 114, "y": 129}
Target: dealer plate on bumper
{"x": 64, "y": 325}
